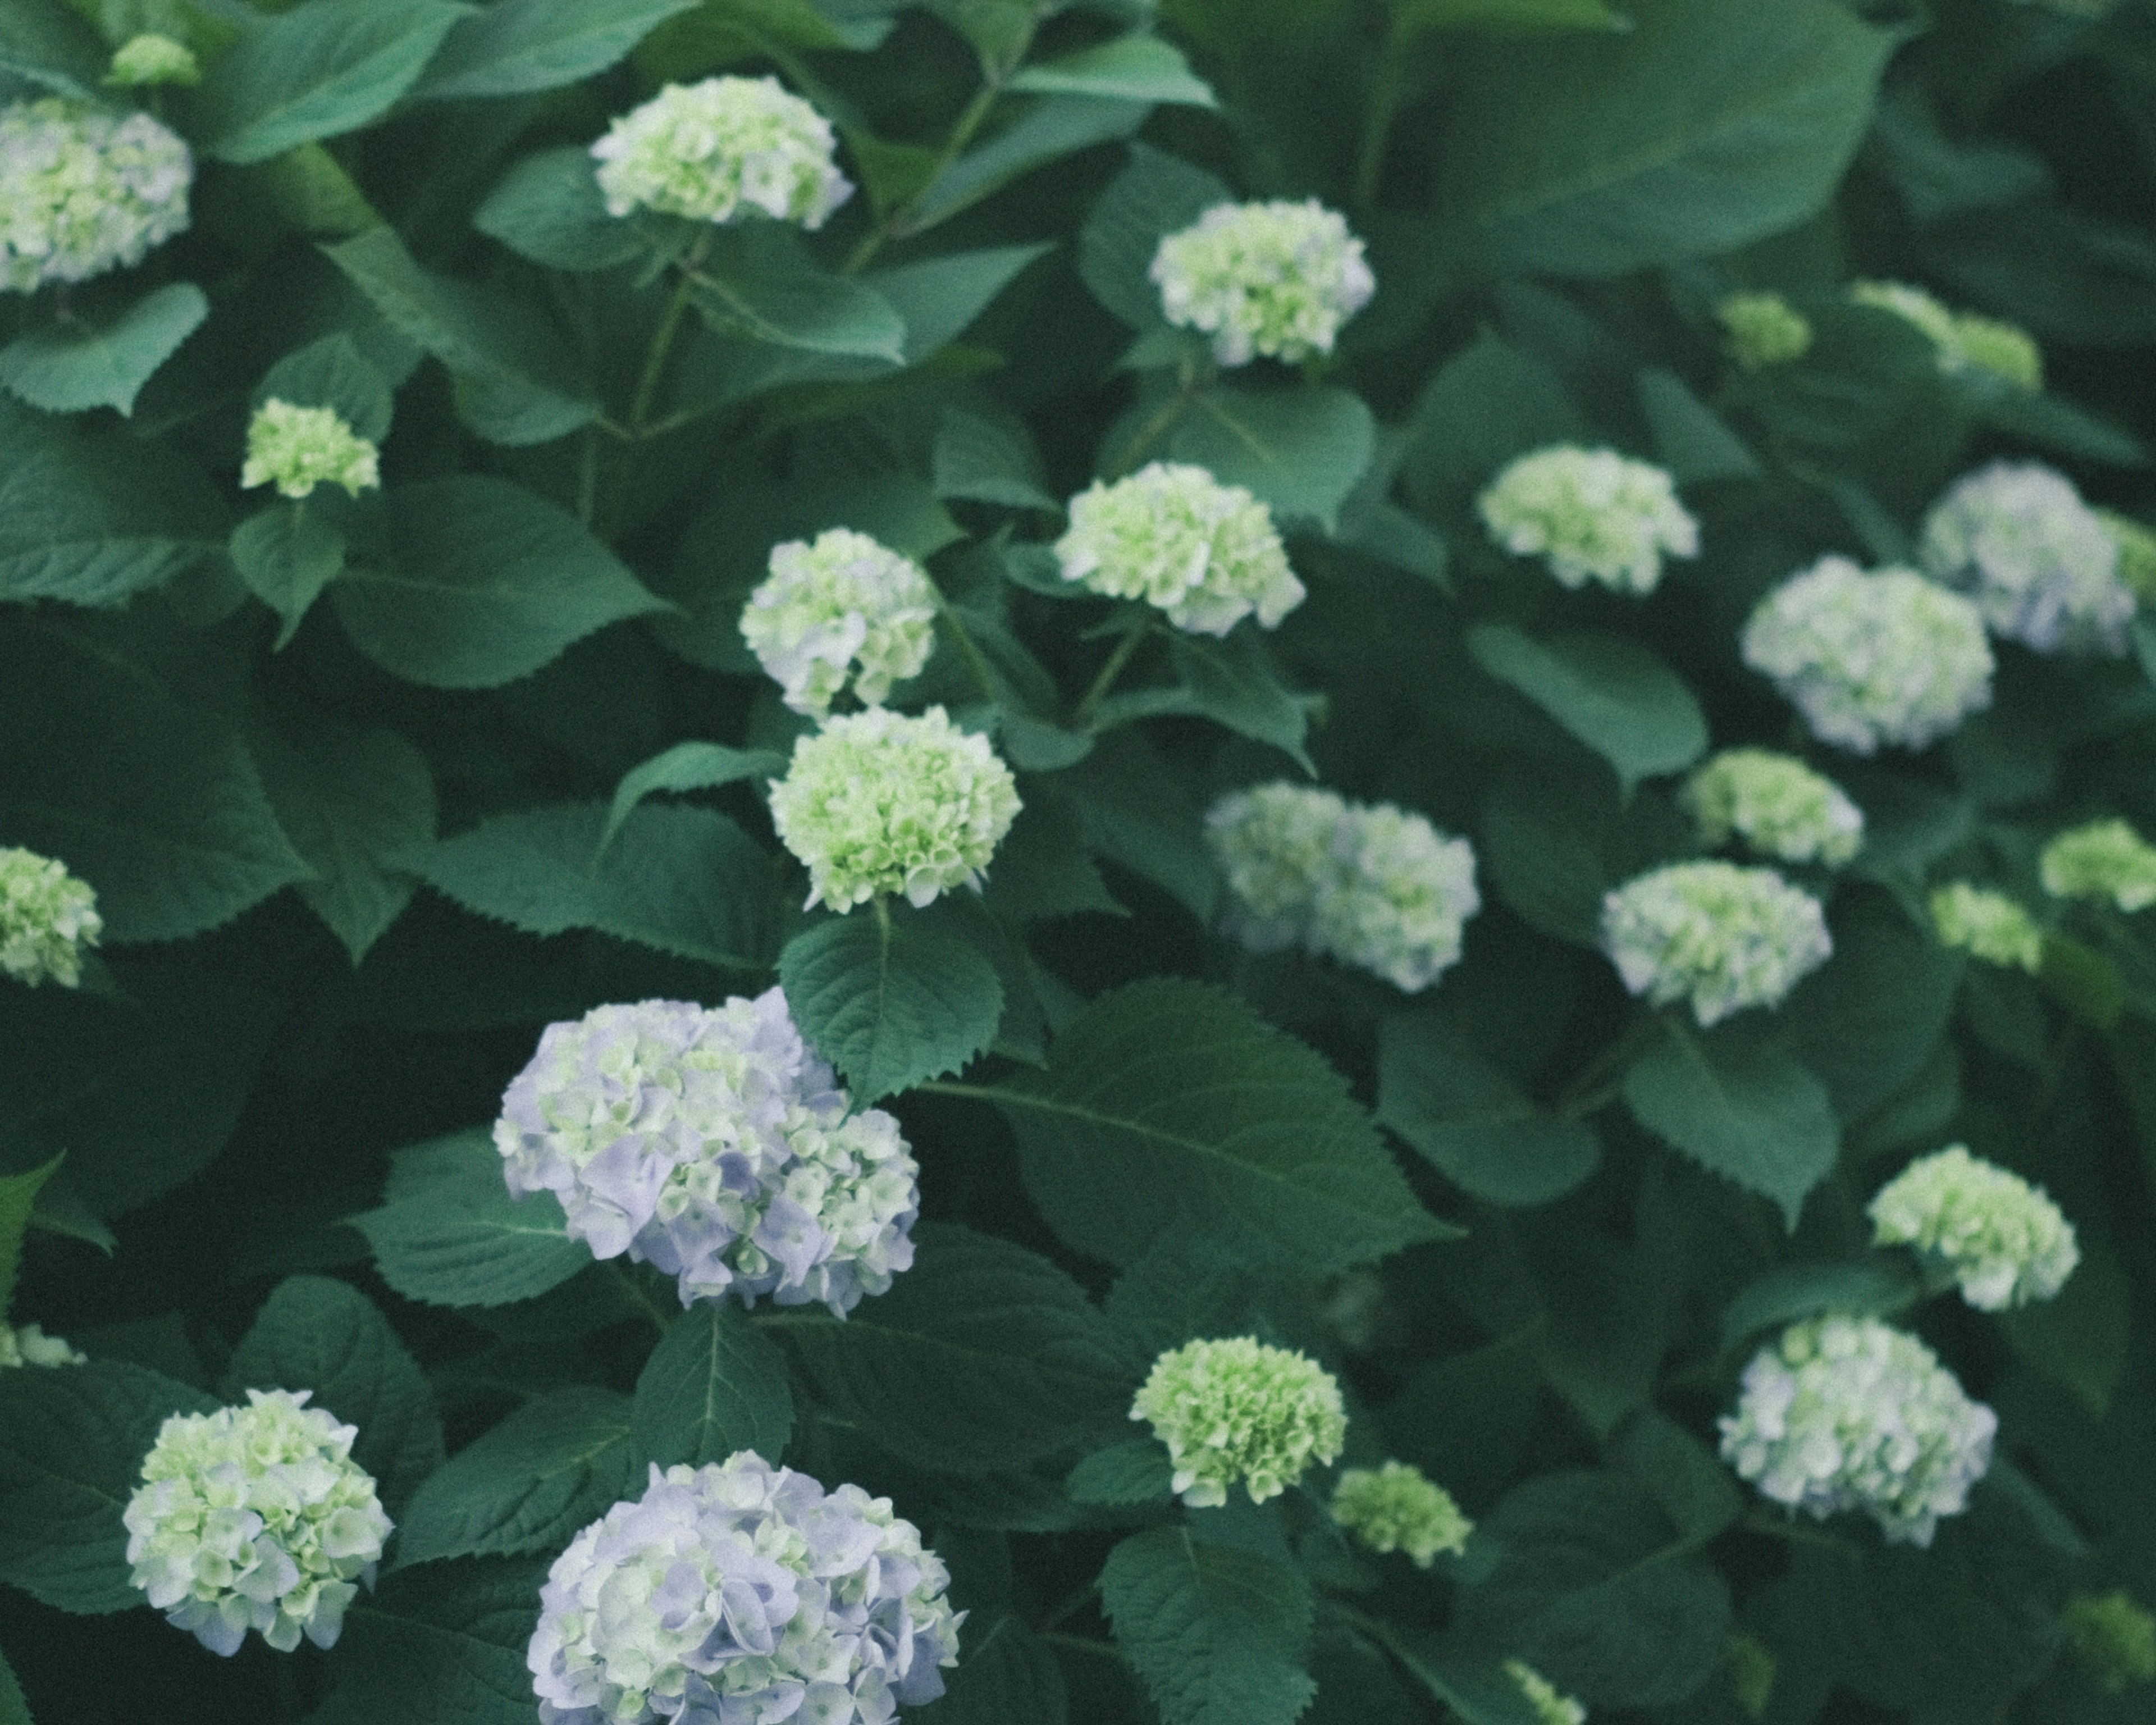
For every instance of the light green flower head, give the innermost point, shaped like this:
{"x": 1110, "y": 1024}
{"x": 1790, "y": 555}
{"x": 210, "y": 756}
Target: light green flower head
{"x": 1396, "y": 1508}
{"x": 2137, "y": 553}
{"x": 1277, "y": 278}
{"x": 84, "y": 190}
{"x": 2103, "y": 859}
{"x": 721, "y": 151}
{"x": 840, "y": 610}
{"x": 1986, "y": 925}
{"x": 1237, "y": 1409}
{"x": 1722, "y": 937}
{"x": 47, "y": 918}
{"x": 28, "y": 1345}
{"x": 2114, "y": 1638}
{"x": 1273, "y": 845}
{"x": 878, "y": 802}
{"x": 1764, "y": 330}
{"x": 1752, "y": 1667}
{"x": 1552, "y": 1705}
{"x": 1206, "y": 554}
{"x": 153, "y": 59}
{"x": 1589, "y": 514}
{"x": 2039, "y": 563}
{"x": 2005, "y": 1241}
{"x": 1777, "y": 805}
{"x": 1962, "y": 340}
{"x": 296, "y": 449}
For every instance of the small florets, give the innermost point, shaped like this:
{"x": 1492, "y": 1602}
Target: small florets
{"x": 841, "y": 610}
{"x": 2039, "y": 563}
{"x": 1552, "y": 1705}
{"x": 1395, "y": 1508}
{"x": 2005, "y": 1241}
{"x": 1590, "y": 514}
{"x": 717, "y": 151}
{"x": 84, "y": 190}
{"x": 1777, "y": 805}
{"x": 28, "y": 1345}
{"x": 1987, "y": 925}
{"x": 48, "y": 920}
{"x": 1764, "y": 330}
{"x": 296, "y": 449}
{"x": 2103, "y": 859}
{"x": 1962, "y": 341}
{"x": 1722, "y": 937}
{"x": 1275, "y": 279}
{"x": 1238, "y": 1409}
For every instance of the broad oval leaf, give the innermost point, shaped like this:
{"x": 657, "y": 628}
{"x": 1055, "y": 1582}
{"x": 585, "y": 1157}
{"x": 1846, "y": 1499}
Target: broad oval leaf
{"x": 1220, "y": 1633}
{"x": 1300, "y": 450}
{"x": 515, "y": 46}
{"x": 714, "y": 1384}
{"x": 549, "y": 208}
{"x": 443, "y": 1645}
{"x": 1155, "y": 196}
{"x": 1136, "y": 69}
{"x": 72, "y": 366}
{"x": 686, "y": 766}
{"x": 1609, "y": 691}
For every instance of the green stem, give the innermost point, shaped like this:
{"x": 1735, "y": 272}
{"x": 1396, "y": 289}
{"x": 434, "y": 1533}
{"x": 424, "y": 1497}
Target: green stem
{"x": 1081, "y": 1644}
{"x": 1599, "y": 1081}
{"x": 1153, "y": 431}
{"x": 941, "y": 1087}
{"x": 1070, "y": 1604}
{"x": 662, "y": 341}
{"x": 1112, "y": 670}
{"x": 969, "y": 649}
{"x": 1384, "y": 103}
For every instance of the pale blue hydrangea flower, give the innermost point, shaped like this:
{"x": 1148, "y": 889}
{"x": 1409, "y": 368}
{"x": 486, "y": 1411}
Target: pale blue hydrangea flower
{"x": 717, "y": 151}
{"x": 838, "y": 611}
{"x": 48, "y": 919}
{"x": 1962, "y": 341}
{"x": 28, "y": 1345}
{"x": 878, "y": 802}
{"x": 1764, "y": 330}
{"x": 2039, "y": 563}
{"x": 1205, "y": 553}
{"x": 1722, "y": 937}
{"x": 2114, "y": 1638}
{"x": 1777, "y": 805}
{"x": 1397, "y": 1507}
{"x": 714, "y": 1144}
{"x": 84, "y": 190}
{"x": 254, "y": 1517}
{"x": 152, "y": 59}
{"x": 742, "y": 1593}
{"x": 296, "y": 449}
{"x": 1848, "y": 1413}
{"x": 1552, "y": 1705}
{"x": 1987, "y": 925}
{"x": 1871, "y": 657}
{"x": 1589, "y": 514}
{"x": 2101, "y": 859}
{"x": 2005, "y": 1241}
{"x": 1239, "y": 1411}
{"x": 1277, "y": 278}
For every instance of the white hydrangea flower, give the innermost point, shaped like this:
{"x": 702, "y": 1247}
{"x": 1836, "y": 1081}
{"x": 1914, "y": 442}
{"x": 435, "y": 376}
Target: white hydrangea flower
{"x": 48, "y": 919}
{"x": 28, "y": 1345}
{"x": 1277, "y": 278}
{"x": 1962, "y": 341}
{"x": 714, "y": 1144}
{"x": 1722, "y": 937}
{"x": 1777, "y": 805}
{"x": 2017, "y": 537}
{"x": 841, "y": 608}
{"x": 254, "y": 1517}
{"x": 1171, "y": 534}
{"x": 1236, "y": 1410}
{"x": 296, "y": 449}
{"x": 1590, "y": 513}
{"x": 2004, "y": 1239}
{"x": 1868, "y": 659}
{"x": 1848, "y": 1413}
{"x": 84, "y": 190}
{"x": 715, "y": 151}
{"x": 878, "y": 802}
{"x": 1987, "y": 925}
{"x": 1552, "y": 1705}
{"x": 742, "y": 1593}
{"x": 2101, "y": 859}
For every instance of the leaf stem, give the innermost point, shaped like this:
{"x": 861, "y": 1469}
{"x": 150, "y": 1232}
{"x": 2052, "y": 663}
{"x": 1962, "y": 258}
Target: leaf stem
{"x": 1082, "y": 1644}
{"x": 1117, "y": 662}
{"x": 1602, "y": 1079}
{"x": 977, "y": 663}
{"x": 662, "y": 339}
{"x": 1153, "y": 430}
{"x": 638, "y": 1295}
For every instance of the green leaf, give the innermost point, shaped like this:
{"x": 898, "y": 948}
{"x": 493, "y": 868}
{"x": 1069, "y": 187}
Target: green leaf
{"x": 1471, "y": 1679}
{"x": 1694, "y": 1490}
{"x": 1867, "y": 1021}
{"x": 19, "y": 1196}
{"x": 332, "y": 372}
{"x": 1170, "y": 1104}
{"x": 514, "y": 47}
{"x": 287, "y": 554}
{"x": 1300, "y": 450}
{"x": 1053, "y": 127}
{"x": 449, "y": 1233}
{"x": 71, "y": 367}
{"x": 714, "y": 1384}
{"x": 48, "y": 44}
{"x": 1233, "y": 682}
{"x": 686, "y": 766}
{"x": 1491, "y": 401}
{"x": 759, "y": 282}
{"x": 1472, "y": 1122}
{"x": 1137, "y": 1471}
{"x": 473, "y": 582}
{"x": 318, "y": 71}
{"x": 683, "y": 879}
{"x": 989, "y": 459}
{"x": 2083, "y": 1337}
{"x": 1136, "y": 69}
{"x": 1606, "y": 690}
{"x": 1749, "y": 1111}
{"x": 14, "y": 1709}
{"x": 1155, "y": 196}
{"x": 939, "y": 299}
{"x": 1506, "y": 17}
{"x": 1691, "y": 439}
{"x": 1003, "y": 1675}
{"x": 1220, "y": 1633}
{"x": 549, "y": 208}
{"x": 1555, "y": 842}
{"x": 317, "y": 1334}
{"x": 1878, "y": 1284}
{"x": 527, "y": 1483}
{"x": 443, "y": 1645}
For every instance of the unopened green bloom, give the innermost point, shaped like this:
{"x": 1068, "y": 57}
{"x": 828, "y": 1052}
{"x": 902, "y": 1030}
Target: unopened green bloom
{"x": 1396, "y": 1508}
{"x": 47, "y": 918}
{"x": 1550, "y": 1704}
{"x": 1777, "y": 805}
{"x": 1963, "y": 340}
{"x": 297, "y": 449}
{"x": 1989, "y": 925}
{"x": 1764, "y": 330}
{"x": 2039, "y": 562}
{"x": 1590, "y": 513}
{"x": 717, "y": 151}
{"x": 152, "y": 59}
{"x": 1752, "y": 1667}
{"x": 842, "y": 609}
{"x": 2113, "y": 1636}
{"x": 1722, "y": 937}
{"x": 1238, "y": 1409}
{"x": 1277, "y": 278}
{"x": 1205, "y": 553}
{"x": 2137, "y": 553}
{"x": 2005, "y": 1241}
{"x": 28, "y": 1345}
{"x": 84, "y": 190}
{"x": 878, "y": 802}
{"x": 2103, "y": 859}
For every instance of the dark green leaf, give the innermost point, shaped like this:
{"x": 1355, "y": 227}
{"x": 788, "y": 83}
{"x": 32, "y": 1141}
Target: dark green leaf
{"x": 1136, "y": 69}
{"x": 287, "y": 554}
{"x": 19, "y": 1195}
{"x": 1555, "y": 842}
{"x": 1054, "y": 127}
{"x": 2083, "y": 1337}
{"x": 1491, "y": 401}
{"x": 1300, "y": 450}
{"x": 514, "y": 47}
{"x": 760, "y": 283}
{"x": 549, "y": 208}
{"x": 1004, "y": 1674}
{"x": 1220, "y": 1633}
{"x": 69, "y": 368}
{"x": 1507, "y": 17}
{"x": 1135, "y": 812}
{"x": 1155, "y": 196}
{"x": 686, "y": 766}
{"x": 47, "y": 44}
{"x": 1691, "y": 439}
{"x": 1867, "y": 1022}
{"x": 14, "y": 1709}
{"x": 332, "y": 372}
{"x": 1137, "y": 1471}
{"x": 1233, "y": 681}
{"x": 940, "y": 298}
{"x": 443, "y": 1645}
{"x": 1790, "y": 1292}
{"x": 714, "y": 1384}
{"x": 1608, "y": 691}
{"x": 1472, "y": 1680}
{"x": 1694, "y": 1490}
{"x": 988, "y": 459}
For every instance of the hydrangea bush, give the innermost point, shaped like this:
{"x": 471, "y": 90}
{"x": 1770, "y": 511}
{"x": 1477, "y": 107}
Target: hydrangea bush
{"x": 1078, "y": 862}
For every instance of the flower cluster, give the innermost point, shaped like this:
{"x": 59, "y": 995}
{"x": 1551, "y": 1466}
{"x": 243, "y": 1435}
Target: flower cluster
{"x": 1777, "y": 805}
{"x": 1962, "y": 341}
{"x": 1396, "y": 1508}
{"x": 1590, "y": 513}
{"x": 878, "y": 802}
{"x": 296, "y": 449}
{"x": 152, "y": 59}
{"x": 1989, "y": 925}
{"x": 1277, "y": 278}
{"x": 1722, "y": 937}
{"x": 1868, "y": 659}
{"x": 1171, "y": 534}
{"x": 842, "y": 607}
{"x": 1849, "y": 1413}
{"x": 254, "y": 1517}
{"x": 1764, "y": 330}
{"x": 714, "y": 1144}
{"x": 2017, "y": 537}
{"x": 716, "y": 150}
{"x": 28, "y": 1345}
{"x": 2113, "y": 1637}
{"x": 47, "y": 918}
{"x": 2137, "y": 553}
{"x": 2102, "y": 859}
{"x": 1552, "y": 1705}
{"x": 1238, "y": 1409}
{"x": 1374, "y": 886}
{"x": 84, "y": 190}
{"x": 737, "y": 1592}
{"x": 2005, "y": 1241}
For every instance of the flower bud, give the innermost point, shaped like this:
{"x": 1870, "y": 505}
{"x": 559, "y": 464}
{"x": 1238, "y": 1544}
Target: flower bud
{"x": 1722, "y": 937}
{"x": 1238, "y": 1409}
{"x": 48, "y": 919}
{"x": 2113, "y": 1639}
{"x": 84, "y": 190}
{"x": 1590, "y": 513}
{"x": 1275, "y": 279}
{"x": 717, "y": 151}
{"x": 1396, "y": 1508}
{"x": 152, "y": 59}
{"x": 2004, "y": 1241}
{"x": 296, "y": 449}
{"x": 1987, "y": 925}
{"x": 1764, "y": 330}
{"x": 2101, "y": 859}
{"x": 1962, "y": 341}
{"x": 28, "y": 1345}
{"x": 1552, "y": 1705}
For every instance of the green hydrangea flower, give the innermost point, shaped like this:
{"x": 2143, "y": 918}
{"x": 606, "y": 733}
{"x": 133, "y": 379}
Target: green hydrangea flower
{"x": 1277, "y": 278}
{"x": 151, "y": 58}
{"x": 1589, "y": 514}
{"x": 1238, "y": 1409}
{"x": 1963, "y": 340}
{"x": 2005, "y": 1241}
{"x": 842, "y": 609}
{"x": 1395, "y": 1508}
{"x": 2137, "y": 553}
{"x": 296, "y": 449}
{"x": 47, "y": 918}
{"x": 721, "y": 150}
{"x": 1777, "y": 805}
{"x": 1987, "y": 925}
{"x": 28, "y": 1345}
{"x": 2103, "y": 859}
{"x": 1550, "y": 1704}
{"x": 1764, "y": 330}
{"x": 878, "y": 802}
{"x": 1722, "y": 937}
{"x": 84, "y": 190}
{"x": 2113, "y": 1636}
